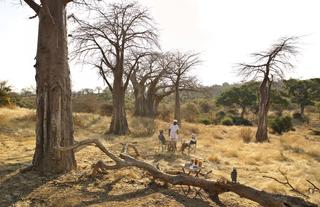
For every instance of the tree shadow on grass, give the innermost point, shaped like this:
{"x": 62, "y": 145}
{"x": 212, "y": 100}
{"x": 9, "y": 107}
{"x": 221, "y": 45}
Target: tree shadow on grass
{"x": 17, "y": 184}
{"x": 105, "y": 197}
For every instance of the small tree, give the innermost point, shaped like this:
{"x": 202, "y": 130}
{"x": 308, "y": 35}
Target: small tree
{"x": 268, "y": 65}
{"x": 243, "y": 97}
{"x": 180, "y": 77}
{"x": 300, "y": 92}
{"x": 278, "y": 101}
{"x": 5, "y": 90}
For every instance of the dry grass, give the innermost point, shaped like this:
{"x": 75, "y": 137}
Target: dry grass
{"x": 221, "y": 148}
{"x": 246, "y": 134}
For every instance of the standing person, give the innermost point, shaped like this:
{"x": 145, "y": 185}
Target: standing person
{"x": 173, "y": 133}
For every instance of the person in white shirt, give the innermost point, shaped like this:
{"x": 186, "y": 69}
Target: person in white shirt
{"x": 173, "y": 133}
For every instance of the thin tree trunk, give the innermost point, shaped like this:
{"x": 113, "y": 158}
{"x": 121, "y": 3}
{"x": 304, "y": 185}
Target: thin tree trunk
{"x": 302, "y": 110}
{"x": 177, "y": 113}
{"x": 54, "y": 125}
{"x": 119, "y": 123}
{"x": 243, "y": 111}
{"x": 262, "y": 132}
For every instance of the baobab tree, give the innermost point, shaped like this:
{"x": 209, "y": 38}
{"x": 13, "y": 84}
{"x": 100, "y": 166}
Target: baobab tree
{"x": 180, "y": 77}
{"x": 150, "y": 84}
{"x": 54, "y": 124}
{"x": 121, "y": 35}
{"x": 268, "y": 66}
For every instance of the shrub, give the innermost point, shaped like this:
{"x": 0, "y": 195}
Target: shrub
{"x": 143, "y": 127}
{"x": 296, "y": 115}
{"x": 219, "y": 116}
{"x": 281, "y": 124}
{"x": 190, "y": 112}
{"x": 106, "y": 109}
{"x": 205, "y": 121}
{"x": 227, "y": 121}
{"x": 301, "y": 118}
{"x": 246, "y": 135}
{"x": 164, "y": 113}
{"x": 241, "y": 121}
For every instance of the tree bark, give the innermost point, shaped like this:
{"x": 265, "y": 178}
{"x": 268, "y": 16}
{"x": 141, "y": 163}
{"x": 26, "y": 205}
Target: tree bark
{"x": 54, "y": 125}
{"x": 119, "y": 123}
{"x": 264, "y": 97}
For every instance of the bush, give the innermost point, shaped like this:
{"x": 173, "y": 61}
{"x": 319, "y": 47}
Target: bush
{"x": 241, "y": 121}
{"x": 190, "y": 112}
{"x": 106, "y": 109}
{"x": 205, "y": 121}
{"x": 218, "y": 117}
{"x": 301, "y": 118}
{"x": 246, "y": 135}
{"x": 281, "y": 124}
{"x": 164, "y": 113}
{"x": 296, "y": 115}
{"x": 227, "y": 121}
{"x": 143, "y": 127}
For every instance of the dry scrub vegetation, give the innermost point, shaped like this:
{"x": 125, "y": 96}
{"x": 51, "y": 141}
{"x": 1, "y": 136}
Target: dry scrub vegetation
{"x": 221, "y": 148}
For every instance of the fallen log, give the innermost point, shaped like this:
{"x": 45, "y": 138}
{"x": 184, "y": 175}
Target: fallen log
{"x": 213, "y": 188}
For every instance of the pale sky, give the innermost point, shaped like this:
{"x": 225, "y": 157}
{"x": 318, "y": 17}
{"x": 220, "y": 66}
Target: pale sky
{"x": 225, "y": 32}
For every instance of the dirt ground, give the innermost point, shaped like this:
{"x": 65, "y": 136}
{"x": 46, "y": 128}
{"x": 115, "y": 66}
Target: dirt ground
{"x": 221, "y": 148}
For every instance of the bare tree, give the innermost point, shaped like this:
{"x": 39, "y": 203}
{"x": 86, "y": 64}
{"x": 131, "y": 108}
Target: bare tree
{"x": 268, "y": 66}
{"x": 54, "y": 124}
{"x": 180, "y": 77}
{"x": 150, "y": 83}
{"x": 121, "y": 35}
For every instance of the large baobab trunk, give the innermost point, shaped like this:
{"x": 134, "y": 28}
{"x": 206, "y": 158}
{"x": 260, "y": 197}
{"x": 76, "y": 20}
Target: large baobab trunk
{"x": 177, "y": 113}
{"x": 119, "y": 123}
{"x": 139, "y": 97}
{"x": 139, "y": 103}
{"x": 54, "y": 125}
{"x": 264, "y": 97}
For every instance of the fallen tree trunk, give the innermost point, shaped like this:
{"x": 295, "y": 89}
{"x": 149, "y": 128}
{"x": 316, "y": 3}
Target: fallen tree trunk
{"x": 214, "y": 189}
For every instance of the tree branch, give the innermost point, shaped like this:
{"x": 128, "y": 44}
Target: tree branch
{"x": 33, "y": 5}
{"x": 211, "y": 187}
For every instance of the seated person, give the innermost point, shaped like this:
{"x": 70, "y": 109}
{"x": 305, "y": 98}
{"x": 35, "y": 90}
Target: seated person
{"x": 193, "y": 140}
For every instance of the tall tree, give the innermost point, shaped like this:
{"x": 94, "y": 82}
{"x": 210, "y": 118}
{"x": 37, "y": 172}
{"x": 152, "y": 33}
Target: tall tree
{"x": 54, "y": 124}
{"x": 150, "y": 83}
{"x": 180, "y": 77}
{"x": 121, "y": 35}
{"x": 269, "y": 65}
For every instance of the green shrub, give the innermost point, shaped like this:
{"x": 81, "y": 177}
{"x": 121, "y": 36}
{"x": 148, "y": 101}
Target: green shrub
{"x": 227, "y": 121}
{"x": 281, "y": 124}
{"x": 205, "y": 121}
{"x": 241, "y": 121}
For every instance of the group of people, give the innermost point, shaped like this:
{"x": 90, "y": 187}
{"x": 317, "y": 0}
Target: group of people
{"x": 171, "y": 144}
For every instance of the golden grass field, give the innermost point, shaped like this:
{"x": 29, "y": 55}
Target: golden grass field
{"x": 221, "y": 147}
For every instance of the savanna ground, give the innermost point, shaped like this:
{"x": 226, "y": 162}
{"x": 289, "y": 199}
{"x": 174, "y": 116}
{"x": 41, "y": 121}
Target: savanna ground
{"x": 221, "y": 148}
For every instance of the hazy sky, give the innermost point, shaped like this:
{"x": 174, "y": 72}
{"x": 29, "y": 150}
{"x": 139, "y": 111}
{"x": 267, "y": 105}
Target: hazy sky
{"x": 224, "y": 32}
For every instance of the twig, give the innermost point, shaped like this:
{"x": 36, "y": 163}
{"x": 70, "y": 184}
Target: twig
{"x": 286, "y": 183}
{"x": 315, "y": 188}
